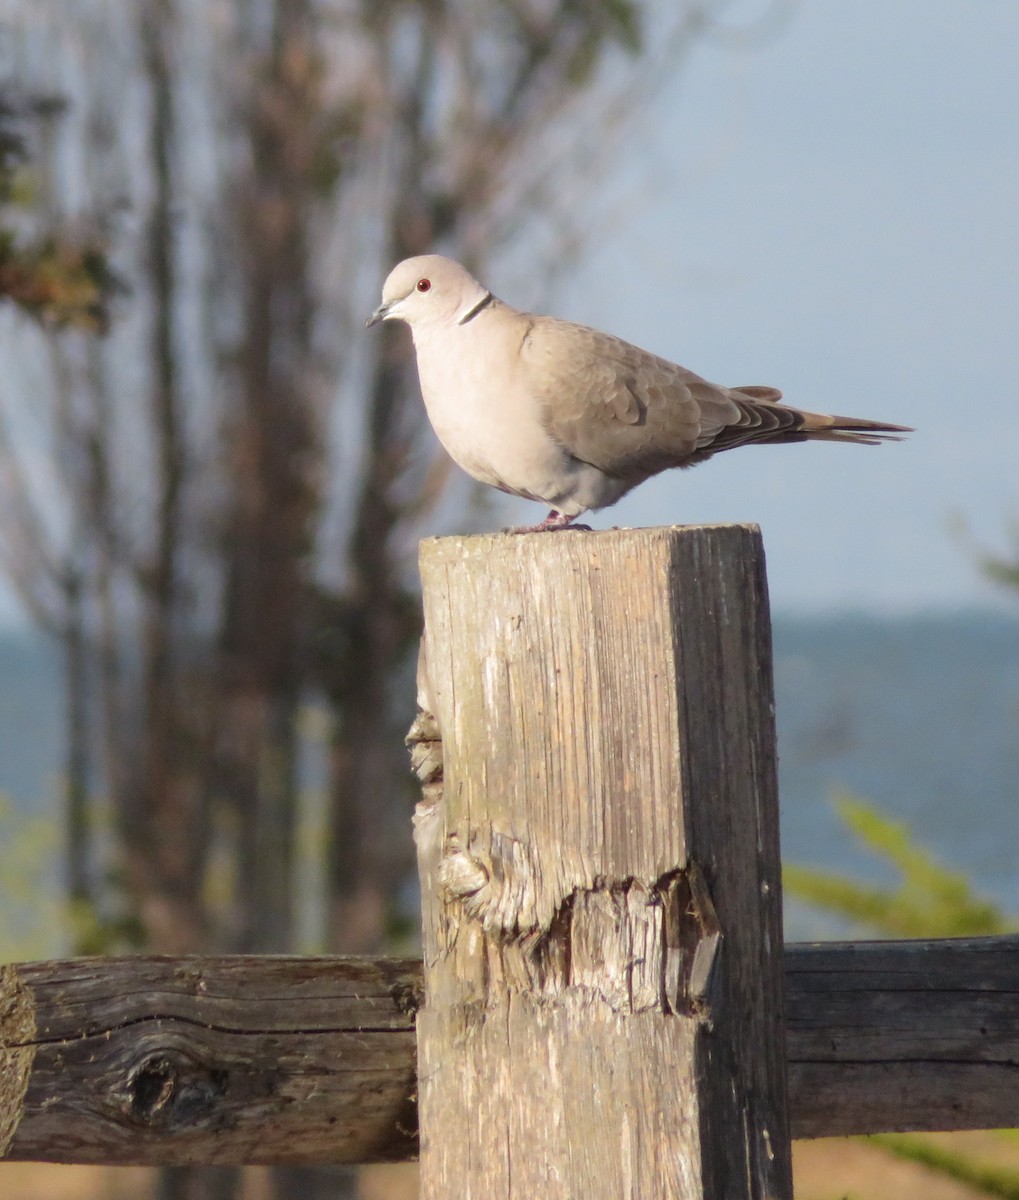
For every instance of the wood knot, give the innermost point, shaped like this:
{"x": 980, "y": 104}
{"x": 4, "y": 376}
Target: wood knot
{"x": 425, "y": 744}
{"x": 461, "y": 875}
{"x": 166, "y": 1090}
{"x": 152, "y": 1087}
{"x": 408, "y": 997}
{"x": 497, "y": 884}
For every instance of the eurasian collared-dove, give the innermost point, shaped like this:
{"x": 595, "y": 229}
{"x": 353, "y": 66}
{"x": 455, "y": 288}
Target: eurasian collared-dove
{"x": 563, "y": 414}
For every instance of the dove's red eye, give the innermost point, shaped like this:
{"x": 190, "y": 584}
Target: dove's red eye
{"x": 424, "y": 285}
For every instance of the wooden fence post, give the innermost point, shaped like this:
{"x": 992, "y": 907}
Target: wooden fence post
{"x": 600, "y": 870}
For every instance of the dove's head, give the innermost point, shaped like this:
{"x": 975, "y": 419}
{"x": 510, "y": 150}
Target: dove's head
{"x": 429, "y": 290}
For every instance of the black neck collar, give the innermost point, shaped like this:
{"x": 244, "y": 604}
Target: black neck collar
{"x": 471, "y": 313}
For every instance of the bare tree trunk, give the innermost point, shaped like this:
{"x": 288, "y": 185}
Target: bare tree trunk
{"x": 71, "y": 632}
{"x": 366, "y": 778}
{"x": 314, "y": 1183}
{"x": 276, "y": 450}
{"x": 76, "y": 677}
{"x": 368, "y": 782}
{"x": 160, "y": 805}
{"x": 198, "y": 1183}
{"x": 99, "y": 505}
{"x": 279, "y": 450}
{"x": 165, "y": 821}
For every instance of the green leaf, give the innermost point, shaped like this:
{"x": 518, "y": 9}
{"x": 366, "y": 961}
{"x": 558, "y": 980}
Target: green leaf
{"x": 929, "y": 900}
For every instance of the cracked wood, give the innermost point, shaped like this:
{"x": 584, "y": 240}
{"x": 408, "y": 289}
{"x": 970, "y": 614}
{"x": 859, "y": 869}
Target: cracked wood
{"x": 600, "y": 870}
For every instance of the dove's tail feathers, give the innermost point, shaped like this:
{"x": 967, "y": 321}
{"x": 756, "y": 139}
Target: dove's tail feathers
{"x": 818, "y": 428}
{"x": 762, "y": 419}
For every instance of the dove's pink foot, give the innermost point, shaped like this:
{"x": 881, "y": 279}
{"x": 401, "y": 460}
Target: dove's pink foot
{"x": 554, "y": 520}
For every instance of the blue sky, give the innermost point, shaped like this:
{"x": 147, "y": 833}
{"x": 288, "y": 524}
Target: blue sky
{"x": 835, "y": 212}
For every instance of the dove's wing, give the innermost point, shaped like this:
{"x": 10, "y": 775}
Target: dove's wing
{"x": 631, "y": 413}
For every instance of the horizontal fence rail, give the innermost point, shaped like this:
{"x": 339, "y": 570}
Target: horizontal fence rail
{"x": 271, "y": 1060}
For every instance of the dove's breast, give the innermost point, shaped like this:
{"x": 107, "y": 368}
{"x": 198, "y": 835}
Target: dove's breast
{"x": 488, "y": 421}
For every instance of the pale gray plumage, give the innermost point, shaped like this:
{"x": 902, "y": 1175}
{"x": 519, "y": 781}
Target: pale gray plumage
{"x": 560, "y": 413}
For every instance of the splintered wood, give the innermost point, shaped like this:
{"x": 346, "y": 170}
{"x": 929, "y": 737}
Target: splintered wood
{"x": 598, "y": 848}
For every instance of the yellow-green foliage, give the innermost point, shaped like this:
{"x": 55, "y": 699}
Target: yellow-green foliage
{"x": 62, "y": 284}
{"x": 980, "y": 1177}
{"x": 929, "y": 900}
{"x": 31, "y": 907}
{"x": 36, "y": 918}
{"x": 1004, "y": 568}
{"x": 59, "y": 277}
{"x": 998, "y": 566}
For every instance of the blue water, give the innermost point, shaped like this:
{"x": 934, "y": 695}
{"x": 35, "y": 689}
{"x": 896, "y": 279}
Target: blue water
{"x": 918, "y": 715}
{"x": 31, "y": 721}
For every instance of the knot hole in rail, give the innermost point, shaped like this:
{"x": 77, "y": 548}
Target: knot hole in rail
{"x": 169, "y": 1089}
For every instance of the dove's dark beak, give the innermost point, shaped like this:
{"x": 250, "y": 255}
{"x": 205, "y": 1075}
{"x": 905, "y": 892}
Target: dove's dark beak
{"x": 378, "y": 315}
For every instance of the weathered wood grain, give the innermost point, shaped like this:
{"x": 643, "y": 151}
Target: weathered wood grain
{"x": 210, "y": 1060}
{"x": 600, "y": 870}
{"x": 882, "y": 1037}
{"x": 900, "y": 1036}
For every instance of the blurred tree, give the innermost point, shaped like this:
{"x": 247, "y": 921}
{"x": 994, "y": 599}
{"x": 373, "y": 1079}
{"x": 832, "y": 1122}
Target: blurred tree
{"x": 59, "y": 276}
{"x": 213, "y": 507}
{"x": 240, "y": 481}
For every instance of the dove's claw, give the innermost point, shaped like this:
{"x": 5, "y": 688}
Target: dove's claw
{"x": 554, "y": 520}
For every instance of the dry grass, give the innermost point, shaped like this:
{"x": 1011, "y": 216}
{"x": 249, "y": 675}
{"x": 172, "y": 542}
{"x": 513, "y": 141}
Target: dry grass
{"x": 827, "y": 1169}
{"x": 834, "y": 1168}
{"x": 44, "y": 1181}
